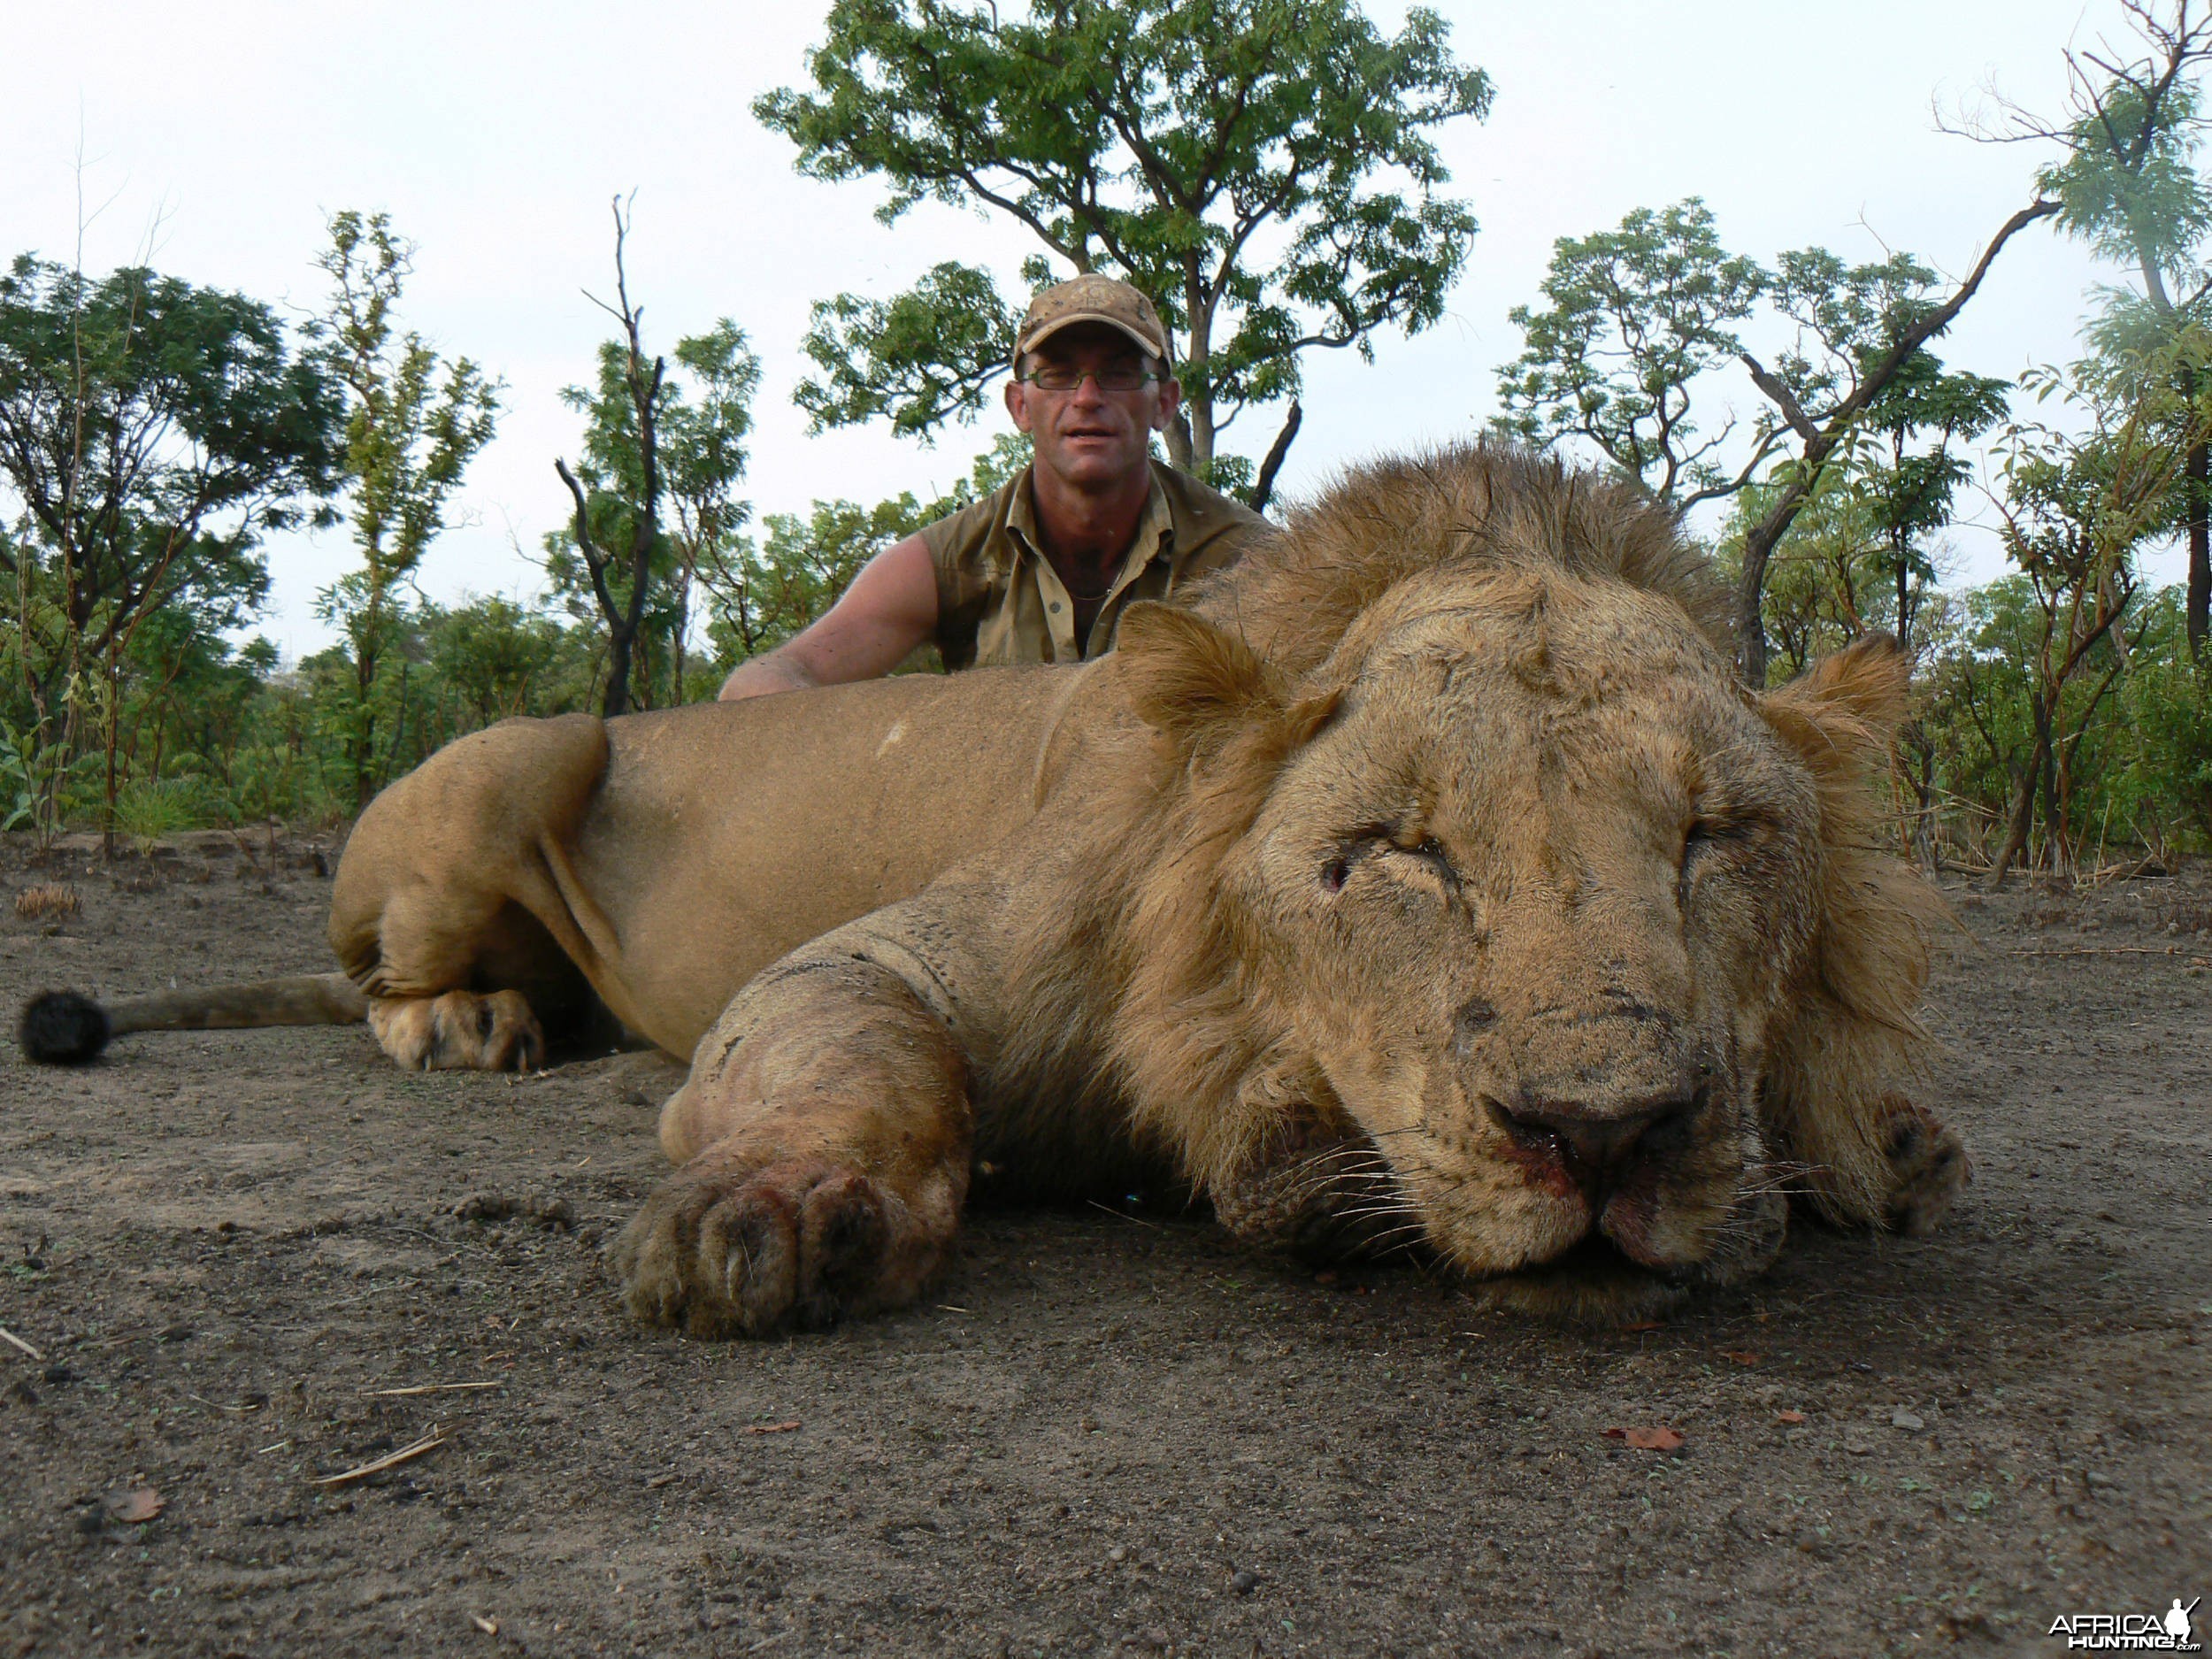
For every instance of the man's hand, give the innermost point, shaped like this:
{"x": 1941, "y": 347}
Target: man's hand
{"x": 890, "y": 609}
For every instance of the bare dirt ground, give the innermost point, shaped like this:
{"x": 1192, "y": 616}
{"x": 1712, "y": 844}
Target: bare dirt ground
{"x": 244, "y": 1258}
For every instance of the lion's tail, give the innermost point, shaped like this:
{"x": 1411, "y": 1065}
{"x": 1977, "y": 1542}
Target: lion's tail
{"x": 67, "y": 1028}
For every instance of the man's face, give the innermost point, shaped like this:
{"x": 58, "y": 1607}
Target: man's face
{"x": 1087, "y": 437}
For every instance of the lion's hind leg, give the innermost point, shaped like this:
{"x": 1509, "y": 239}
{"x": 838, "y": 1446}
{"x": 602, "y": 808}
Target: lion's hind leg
{"x": 463, "y": 1031}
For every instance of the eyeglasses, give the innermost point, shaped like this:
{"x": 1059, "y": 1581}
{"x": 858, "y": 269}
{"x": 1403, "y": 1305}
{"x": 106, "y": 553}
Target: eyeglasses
{"x": 1119, "y": 376}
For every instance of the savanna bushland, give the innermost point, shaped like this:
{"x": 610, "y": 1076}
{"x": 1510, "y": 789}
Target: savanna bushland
{"x": 1793, "y": 403}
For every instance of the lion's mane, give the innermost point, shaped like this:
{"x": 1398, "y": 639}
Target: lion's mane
{"x": 1212, "y": 1066}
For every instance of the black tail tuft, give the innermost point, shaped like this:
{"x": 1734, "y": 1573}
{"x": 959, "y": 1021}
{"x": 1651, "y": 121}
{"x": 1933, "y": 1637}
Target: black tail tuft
{"x": 62, "y": 1028}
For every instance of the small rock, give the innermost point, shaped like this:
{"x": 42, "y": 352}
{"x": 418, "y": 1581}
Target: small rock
{"x": 1117, "y": 1553}
{"x": 1243, "y": 1581}
{"x": 59, "y": 1374}
{"x": 175, "y": 1334}
{"x": 1901, "y": 1418}
{"x": 1857, "y": 1448}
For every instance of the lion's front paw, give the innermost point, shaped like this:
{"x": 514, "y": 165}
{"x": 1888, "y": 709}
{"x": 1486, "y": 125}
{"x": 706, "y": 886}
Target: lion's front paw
{"x": 459, "y": 1030}
{"x": 1928, "y": 1166}
{"x": 724, "y": 1248}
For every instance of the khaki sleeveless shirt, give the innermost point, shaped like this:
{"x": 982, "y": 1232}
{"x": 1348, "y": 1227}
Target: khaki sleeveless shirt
{"x": 1000, "y": 600}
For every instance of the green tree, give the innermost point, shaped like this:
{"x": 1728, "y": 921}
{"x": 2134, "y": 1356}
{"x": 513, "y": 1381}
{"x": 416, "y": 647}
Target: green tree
{"x": 150, "y": 434}
{"x": 2127, "y": 184}
{"x": 1907, "y": 467}
{"x": 2078, "y": 506}
{"x": 1262, "y": 169}
{"x": 414, "y": 421}
{"x": 1634, "y": 317}
{"x": 654, "y": 493}
{"x": 494, "y": 658}
{"x": 1637, "y": 316}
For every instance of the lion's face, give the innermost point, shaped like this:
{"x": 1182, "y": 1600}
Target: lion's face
{"x": 1535, "y": 894}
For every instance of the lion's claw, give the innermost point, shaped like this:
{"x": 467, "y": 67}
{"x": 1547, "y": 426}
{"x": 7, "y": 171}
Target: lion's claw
{"x": 752, "y": 1251}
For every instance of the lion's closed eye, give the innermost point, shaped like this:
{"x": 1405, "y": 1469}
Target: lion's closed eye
{"x": 1422, "y": 862}
{"x": 1715, "y": 835}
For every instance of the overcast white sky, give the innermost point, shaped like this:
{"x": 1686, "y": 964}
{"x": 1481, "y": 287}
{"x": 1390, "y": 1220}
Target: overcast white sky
{"x": 494, "y": 134}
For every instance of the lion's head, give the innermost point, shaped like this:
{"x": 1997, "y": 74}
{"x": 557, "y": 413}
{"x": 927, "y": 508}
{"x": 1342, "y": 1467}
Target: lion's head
{"x": 1469, "y": 896}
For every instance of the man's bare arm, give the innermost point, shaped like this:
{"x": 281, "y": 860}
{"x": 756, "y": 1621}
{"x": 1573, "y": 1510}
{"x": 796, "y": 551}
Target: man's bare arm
{"x": 890, "y": 609}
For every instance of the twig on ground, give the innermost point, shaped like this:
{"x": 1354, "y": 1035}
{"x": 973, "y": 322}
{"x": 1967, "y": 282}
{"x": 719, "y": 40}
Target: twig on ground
{"x": 2102, "y": 950}
{"x": 17, "y": 1341}
{"x": 427, "y": 1388}
{"x": 1123, "y": 1214}
{"x": 217, "y": 1405}
{"x": 771, "y": 1428}
{"x": 429, "y": 1442}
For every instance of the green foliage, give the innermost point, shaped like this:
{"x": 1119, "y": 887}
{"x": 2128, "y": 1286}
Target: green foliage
{"x": 1262, "y": 169}
{"x": 919, "y": 359}
{"x": 150, "y": 434}
{"x": 1635, "y": 315}
{"x": 2127, "y": 184}
{"x": 700, "y": 420}
{"x": 2165, "y": 719}
{"x": 1636, "y": 318}
{"x": 414, "y": 423}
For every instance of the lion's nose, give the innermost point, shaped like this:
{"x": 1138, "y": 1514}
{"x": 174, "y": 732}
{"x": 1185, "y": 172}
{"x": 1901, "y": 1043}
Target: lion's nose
{"x": 1596, "y": 1142}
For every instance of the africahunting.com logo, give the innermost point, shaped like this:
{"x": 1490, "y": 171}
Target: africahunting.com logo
{"x": 2129, "y": 1632}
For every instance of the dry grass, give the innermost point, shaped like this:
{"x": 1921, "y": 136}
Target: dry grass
{"x": 48, "y": 900}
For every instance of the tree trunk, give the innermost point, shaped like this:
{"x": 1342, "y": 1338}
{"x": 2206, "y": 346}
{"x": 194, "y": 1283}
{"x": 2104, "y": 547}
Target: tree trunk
{"x": 1751, "y": 633}
{"x": 618, "y": 698}
{"x": 1820, "y": 442}
{"x": 1264, "y": 486}
{"x": 2024, "y": 804}
{"x": 2200, "y": 487}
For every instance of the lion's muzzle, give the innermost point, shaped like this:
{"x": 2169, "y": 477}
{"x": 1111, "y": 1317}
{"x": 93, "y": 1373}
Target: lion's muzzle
{"x": 1598, "y": 1146}
{"x": 1613, "y": 1156}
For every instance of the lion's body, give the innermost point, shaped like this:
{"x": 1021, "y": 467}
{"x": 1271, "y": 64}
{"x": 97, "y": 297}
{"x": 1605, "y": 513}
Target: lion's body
{"x": 1433, "y": 883}
{"x": 667, "y": 857}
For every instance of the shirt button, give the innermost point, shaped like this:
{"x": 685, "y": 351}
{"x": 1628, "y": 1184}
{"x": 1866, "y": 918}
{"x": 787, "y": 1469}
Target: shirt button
{"x": 1056, "y": 607}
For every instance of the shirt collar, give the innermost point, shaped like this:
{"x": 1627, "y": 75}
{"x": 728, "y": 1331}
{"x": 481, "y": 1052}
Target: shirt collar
{"x": 1155, "y": 532}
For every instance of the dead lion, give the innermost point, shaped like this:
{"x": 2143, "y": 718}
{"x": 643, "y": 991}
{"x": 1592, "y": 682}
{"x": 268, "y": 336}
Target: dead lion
{"x": 1432, "y": 883}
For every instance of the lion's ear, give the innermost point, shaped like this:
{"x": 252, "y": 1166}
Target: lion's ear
{"x": 1200, "y": 686}
{"x": 1186, "y": 677}
{"x": 1842, "y": 715}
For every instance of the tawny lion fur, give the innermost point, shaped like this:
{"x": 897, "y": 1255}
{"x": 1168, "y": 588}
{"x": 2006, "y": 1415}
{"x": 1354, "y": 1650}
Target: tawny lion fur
{"x": 1430, "y": 884}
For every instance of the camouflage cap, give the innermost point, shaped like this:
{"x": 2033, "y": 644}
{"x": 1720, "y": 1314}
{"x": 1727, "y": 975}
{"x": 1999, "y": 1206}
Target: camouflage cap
{"x": 1091, "y": 298}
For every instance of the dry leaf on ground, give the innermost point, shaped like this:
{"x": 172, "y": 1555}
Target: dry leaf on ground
{"x": 771, "y": 1428}
{"x": 138, "y": 1505}
{"x": 1789, "y": 1417}
{"x": 1661, "y": 1439}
